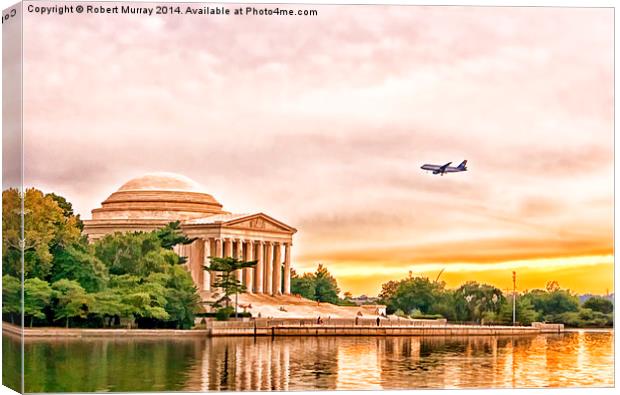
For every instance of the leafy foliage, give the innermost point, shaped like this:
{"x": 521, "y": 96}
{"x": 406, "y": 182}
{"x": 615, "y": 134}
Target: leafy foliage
{"x": 77, "y": 262}
{"x": 596, "y": 303}
{"x": 37, "y": 295}
{"x": 320, "y": 286}
{"x": 71, "y": 300}
{"x": 135, "y": 253}
{"x": 45, "y": 228}
{"x": 171, "y": 235}
{"x": 226, "y": 279}
{"x": 473, "y": 300}
{"x": 11, "y": 297}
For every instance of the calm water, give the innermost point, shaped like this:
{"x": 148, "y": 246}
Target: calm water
{"x": 327, "y": 363}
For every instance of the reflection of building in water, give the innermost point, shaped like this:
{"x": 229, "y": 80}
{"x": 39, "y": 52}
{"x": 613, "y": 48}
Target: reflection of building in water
{"x": 263, "y": 364}
{"x": 152, "y": 201}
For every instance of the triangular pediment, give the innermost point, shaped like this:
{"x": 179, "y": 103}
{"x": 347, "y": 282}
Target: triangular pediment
{"x": 259, "y": 222}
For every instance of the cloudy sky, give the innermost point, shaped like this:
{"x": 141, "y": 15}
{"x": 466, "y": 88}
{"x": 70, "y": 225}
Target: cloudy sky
{"x": 323, "y": 122}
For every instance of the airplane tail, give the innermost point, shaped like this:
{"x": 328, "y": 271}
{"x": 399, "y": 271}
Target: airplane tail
{"x": 462, "y": 165}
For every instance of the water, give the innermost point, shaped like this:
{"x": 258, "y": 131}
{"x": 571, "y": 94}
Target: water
{"x": 578, "y": 359}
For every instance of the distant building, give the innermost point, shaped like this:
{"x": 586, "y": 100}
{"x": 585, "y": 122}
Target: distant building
{"x": 364, "y": 300}
{"x": 150, "y": 202}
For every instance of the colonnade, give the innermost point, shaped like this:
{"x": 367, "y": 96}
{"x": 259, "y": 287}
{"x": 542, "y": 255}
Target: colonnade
{"x": 271, "y": 275}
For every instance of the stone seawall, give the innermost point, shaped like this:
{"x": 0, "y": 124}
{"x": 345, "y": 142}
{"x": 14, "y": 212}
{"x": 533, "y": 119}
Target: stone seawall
{"x": 250, "y": 329}
{"x": 78, "y": 332}
{"x": 329, "y": 330}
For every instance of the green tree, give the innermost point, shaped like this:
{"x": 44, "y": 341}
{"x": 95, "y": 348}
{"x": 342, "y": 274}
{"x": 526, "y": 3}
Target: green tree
{"x": 597, "y": 303}
{"x": 416, "y": 294}
{"x": 473, "y": 300}
{"x": 320, "y": 286}
{"x": 554, "y": 302}
{"x": 37, "y": 296}
{"x": 171, "y": 235}
{"x": 444, "y": 304}
{"x": 71, "y": 300}
{"x": 304, "y": 285}
{"x": 182, "y": 300}
{"x": 525, "y": 312}
{"x": 108, "y": 305}
{"x": 67, "y": 208}
{"x": 226, "y": 278}
{"x": 326, "y": 288}
{"x": 45, "y": 227}
{"x": 135, "y": 253}
{"x": 78, "y": 262}
{"x": 144, "y": 299}
{"x": 11, "y": 297}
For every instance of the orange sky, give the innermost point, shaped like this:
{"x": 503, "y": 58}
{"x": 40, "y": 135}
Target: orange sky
{"x": 323, "y": 123}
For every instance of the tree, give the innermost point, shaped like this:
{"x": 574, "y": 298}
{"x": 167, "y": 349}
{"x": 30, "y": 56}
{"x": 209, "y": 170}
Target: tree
{"x": 525, "y": 312}
{"x": 71, "y": 300}
{"x": 304, "y": 286}
{"x": 135, "y": 253}
{"x": 320, "y": 286}
{"x": 551, "y": 303}
{"x": 77, "y": 262}
{"x": 226, "y": 278}
{"x": 67, "y": 208}
{"x": 45, "y": 227}
{"x": 37, "y": 295}
{"x": 11, "y": 296}
{"x": 473, "y": 300}
{"x": 326, "y": 288}
{"x": 597, "y": 303}
{"x": 108, "y": 305}
{"x": 416, "y": 293}
{"x": 171, "y": 235}
{"x": 143, "y": 298}
{"x": 182, "y": 300}
{"x": 388, "y": 290}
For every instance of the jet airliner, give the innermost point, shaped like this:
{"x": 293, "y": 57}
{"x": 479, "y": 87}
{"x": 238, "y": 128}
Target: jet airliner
{"x": 441, "y": 170}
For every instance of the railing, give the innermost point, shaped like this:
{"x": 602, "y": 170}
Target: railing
{"x": 340, "y": 322}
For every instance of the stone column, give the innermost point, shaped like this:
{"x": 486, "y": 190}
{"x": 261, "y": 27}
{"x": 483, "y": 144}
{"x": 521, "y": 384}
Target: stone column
{"x": 287, "y": 269}
{"x": 268, "y": 273}
{"x": 258, "y": 278}
{"x": 206, "y": 284}
{"x": 199, "y": 256}
{"x": 228, "y": 247}
{"x": 276, "y": 288}
{"x": 216, "y": 249}
{"x": 238, "y": 253}
{"x": 248, "y": 273}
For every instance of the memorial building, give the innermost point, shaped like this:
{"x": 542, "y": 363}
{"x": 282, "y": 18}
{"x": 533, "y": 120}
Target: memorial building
{"x": 154, "y": 200}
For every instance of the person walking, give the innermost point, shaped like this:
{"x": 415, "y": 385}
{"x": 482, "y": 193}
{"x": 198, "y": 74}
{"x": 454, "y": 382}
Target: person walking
{"x": 378, "y": 321}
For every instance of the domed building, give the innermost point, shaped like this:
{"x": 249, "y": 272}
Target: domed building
{"x": 150, "y": 202}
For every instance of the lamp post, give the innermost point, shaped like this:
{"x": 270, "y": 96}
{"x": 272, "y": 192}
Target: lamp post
{"x": 514, "y": 297}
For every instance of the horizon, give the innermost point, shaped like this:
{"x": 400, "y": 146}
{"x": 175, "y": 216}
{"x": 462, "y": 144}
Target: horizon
{"x": 327, "y": 132}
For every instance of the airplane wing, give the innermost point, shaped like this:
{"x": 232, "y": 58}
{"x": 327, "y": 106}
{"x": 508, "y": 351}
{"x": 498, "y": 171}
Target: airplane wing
{"x": 443, "y": 168}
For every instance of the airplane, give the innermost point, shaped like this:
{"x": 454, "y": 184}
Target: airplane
{"x": 441, "y": 170}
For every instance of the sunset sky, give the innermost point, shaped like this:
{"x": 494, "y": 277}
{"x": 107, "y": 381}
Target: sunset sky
{"x": 323, "y": 122}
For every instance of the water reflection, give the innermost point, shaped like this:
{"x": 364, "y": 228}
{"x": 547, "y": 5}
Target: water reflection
{"x": 321, "y": 363}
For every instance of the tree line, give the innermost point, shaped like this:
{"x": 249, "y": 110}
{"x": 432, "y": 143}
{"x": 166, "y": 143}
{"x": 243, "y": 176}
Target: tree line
{"x": 478, "y": 303}
{"x": 135, "y": 277}
{"x": 472, "y": 302}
